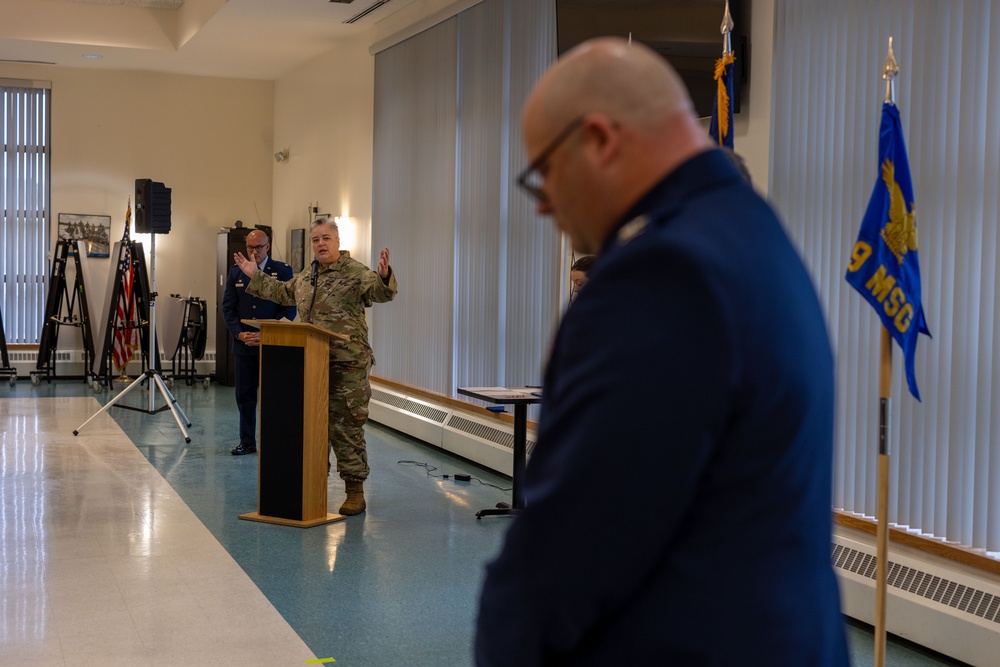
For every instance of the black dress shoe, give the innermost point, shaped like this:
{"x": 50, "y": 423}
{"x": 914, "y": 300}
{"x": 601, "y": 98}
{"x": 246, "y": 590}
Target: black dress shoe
{"x": 241, "y": 449}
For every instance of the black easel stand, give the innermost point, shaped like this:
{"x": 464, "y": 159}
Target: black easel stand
{"x": 6, "y": 370}
{"x": 191, "y": 346}
{"x": 54, "y": 319}
{"x": 152, "y": 373}
{"x": 130, "y": 257}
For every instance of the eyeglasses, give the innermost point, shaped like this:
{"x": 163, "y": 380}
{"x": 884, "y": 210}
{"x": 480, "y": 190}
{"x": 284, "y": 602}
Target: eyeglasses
{"x": 530, "y": 179}
{"x": 255, "y": 248}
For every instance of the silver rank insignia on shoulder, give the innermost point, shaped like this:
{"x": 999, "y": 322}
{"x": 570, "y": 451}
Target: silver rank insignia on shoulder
{"x": 631, "y": 229}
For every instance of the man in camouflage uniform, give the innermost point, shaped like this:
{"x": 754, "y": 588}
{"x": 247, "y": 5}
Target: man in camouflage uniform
{"x": 343, "y": 289}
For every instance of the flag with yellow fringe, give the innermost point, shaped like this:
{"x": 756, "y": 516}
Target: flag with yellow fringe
{"x": 721, "y": 127}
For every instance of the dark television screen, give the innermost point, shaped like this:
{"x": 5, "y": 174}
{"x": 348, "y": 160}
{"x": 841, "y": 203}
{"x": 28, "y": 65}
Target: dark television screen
{"x": 685, "y": 32}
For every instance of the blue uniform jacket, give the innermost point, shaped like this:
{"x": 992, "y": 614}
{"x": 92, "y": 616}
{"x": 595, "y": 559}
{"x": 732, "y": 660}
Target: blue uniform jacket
{"x": 238, "y": 305}
{"x": 678, "y": 499}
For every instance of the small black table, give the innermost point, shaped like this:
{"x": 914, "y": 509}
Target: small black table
{"x": 520, "y": 398}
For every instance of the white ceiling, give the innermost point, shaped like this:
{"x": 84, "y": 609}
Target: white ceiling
{"x": 253, "y": 39}
{"x": 153, "y": 4}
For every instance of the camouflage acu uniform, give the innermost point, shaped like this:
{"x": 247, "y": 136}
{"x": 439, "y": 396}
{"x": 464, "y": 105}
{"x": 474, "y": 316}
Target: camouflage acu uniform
{"x": 343, "y": 291}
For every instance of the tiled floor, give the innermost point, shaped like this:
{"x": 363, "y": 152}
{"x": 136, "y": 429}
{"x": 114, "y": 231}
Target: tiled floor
{"x": 122, "y": 546}
{"x": 103, "y": 563}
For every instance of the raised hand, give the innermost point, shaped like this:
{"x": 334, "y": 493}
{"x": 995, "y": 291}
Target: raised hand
{"x": 247, "y": 266}
{"x": 383, "y": 263}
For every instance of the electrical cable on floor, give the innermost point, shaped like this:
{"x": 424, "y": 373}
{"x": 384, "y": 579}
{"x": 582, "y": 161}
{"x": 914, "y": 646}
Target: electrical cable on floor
{"x": 430, "y": 473}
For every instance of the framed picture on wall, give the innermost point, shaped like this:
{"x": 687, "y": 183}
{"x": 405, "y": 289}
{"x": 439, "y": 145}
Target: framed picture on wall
{"x": 298, "y": 250}
{"x": 95, "y": 230}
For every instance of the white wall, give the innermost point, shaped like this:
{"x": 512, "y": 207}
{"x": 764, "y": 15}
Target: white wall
{"x": 324, "y": 115}
{"x": 208, "y": 139}
{"x": 753, "y": 126}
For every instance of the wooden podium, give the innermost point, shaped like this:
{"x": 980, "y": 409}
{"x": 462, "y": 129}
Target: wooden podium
{"x": 294, "y": 402}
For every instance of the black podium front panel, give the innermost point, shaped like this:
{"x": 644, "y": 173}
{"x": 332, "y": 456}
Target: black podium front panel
{"x": 280, "y": 446}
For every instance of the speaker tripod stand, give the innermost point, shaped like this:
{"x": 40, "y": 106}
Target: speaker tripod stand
{"x": 151, "y": 374}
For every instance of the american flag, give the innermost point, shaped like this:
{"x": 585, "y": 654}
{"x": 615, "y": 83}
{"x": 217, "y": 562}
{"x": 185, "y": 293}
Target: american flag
{"x": 126, "y": 333}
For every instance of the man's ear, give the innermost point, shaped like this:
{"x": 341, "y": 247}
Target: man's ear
{"x": 605, "y": 134}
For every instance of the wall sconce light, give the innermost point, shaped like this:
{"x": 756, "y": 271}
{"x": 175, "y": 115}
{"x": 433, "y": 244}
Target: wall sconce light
{"x": 348, "y": 228}
{"x": 281, "y": 156}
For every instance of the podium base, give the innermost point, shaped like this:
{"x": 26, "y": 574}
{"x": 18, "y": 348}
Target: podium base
{"x": 319, "y": 521}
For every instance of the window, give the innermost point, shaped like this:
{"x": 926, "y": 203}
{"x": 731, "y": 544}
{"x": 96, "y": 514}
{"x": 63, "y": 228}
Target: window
{"x": 24, "y": 202}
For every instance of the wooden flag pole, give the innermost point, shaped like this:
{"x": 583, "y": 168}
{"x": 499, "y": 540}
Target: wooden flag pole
{"x": 882, "y": 519}
{"x": 885, "y": 392}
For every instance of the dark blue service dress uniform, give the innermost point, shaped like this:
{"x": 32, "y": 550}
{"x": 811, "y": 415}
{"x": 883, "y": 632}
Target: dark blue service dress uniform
{"x": 704, "y": 437}
{"x": 238, "y": 305}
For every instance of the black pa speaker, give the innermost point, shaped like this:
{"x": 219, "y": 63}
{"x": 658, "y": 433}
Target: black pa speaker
{"x": 152, "y": 207}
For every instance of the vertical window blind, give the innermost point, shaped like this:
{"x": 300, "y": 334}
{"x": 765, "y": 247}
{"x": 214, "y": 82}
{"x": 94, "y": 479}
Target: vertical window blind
{"x": 826, "y": 105}
{"x": 446, "y": 157}
{"x": 24, "y": 202}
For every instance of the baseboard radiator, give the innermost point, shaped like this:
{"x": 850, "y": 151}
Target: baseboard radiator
{"x": 69, "y": 363}
{"x": 932, "y": 601}
{"x": 489, "y": 443}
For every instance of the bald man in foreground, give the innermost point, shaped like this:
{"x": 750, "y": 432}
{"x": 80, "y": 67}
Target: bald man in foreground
{"x": 678, "y": 499}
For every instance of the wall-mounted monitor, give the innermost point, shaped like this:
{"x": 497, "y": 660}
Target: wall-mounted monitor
{"x": 685, "y": 32}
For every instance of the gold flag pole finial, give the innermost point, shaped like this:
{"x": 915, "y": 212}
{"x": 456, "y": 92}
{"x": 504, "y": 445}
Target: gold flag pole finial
{"x": 726, "y": 28}
{"x": 889, "y": 73}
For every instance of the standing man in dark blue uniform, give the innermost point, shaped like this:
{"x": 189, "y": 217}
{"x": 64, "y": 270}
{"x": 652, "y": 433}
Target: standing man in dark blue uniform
{"x": 238, "y": 305}
{"x": 678, "y": 498}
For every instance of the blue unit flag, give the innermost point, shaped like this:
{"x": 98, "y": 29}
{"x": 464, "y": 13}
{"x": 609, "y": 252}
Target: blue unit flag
{"x": 884, "y": 266}
{"x": 721, "y": 125}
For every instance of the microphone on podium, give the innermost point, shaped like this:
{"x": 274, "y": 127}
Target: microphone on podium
{"x": 312, "y": 281}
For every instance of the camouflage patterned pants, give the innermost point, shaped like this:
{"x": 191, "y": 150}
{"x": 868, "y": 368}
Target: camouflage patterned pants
{"x": 349, "y": 394}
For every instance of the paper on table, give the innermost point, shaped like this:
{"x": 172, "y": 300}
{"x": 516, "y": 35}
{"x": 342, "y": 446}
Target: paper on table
{"x": 256, "y": 323}
{"x": 505, "y": 392}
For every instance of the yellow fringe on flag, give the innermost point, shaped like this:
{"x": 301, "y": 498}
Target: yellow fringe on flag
{"x": 722, "y": 102}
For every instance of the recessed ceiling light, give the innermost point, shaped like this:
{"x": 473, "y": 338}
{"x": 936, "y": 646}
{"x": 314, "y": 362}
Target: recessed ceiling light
{"x": 92, "y": 56}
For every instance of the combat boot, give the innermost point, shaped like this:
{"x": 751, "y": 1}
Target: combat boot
{"x": 355, "y": 503}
